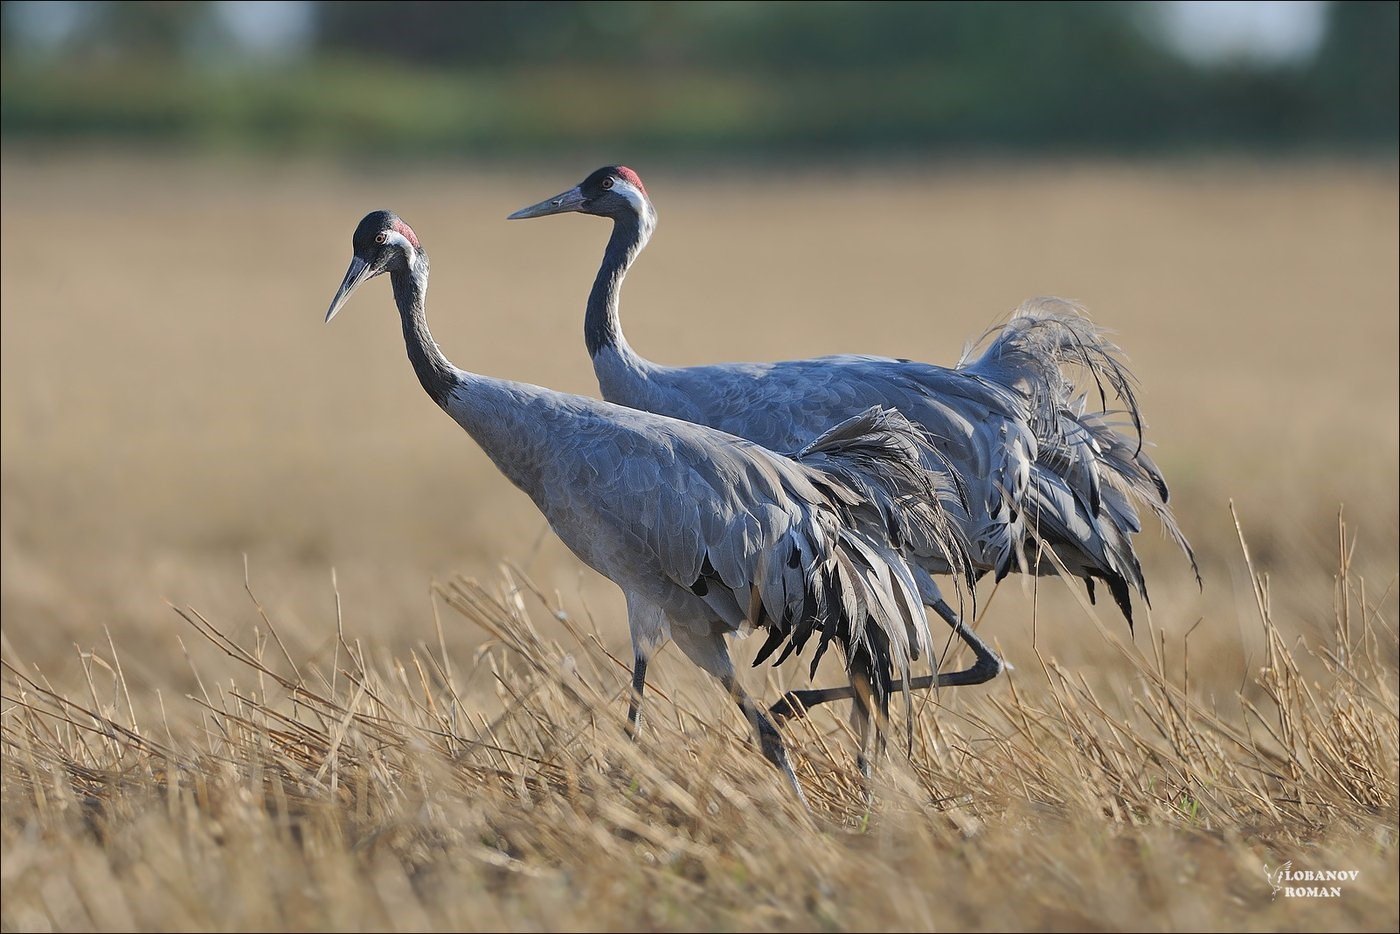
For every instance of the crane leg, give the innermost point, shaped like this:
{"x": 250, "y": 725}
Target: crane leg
{"x": 634, "y": 705}
{"x": 708, "y": 651}
{"x": 863, "y": 723}
{"x": 644, "y": 620}
{"x": 986, "y": 667}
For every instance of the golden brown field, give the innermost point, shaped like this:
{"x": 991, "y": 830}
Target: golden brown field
{"x": 383, "y": 745}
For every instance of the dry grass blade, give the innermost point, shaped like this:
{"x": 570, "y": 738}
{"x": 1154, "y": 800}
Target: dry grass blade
{"x": 367, "y": 797}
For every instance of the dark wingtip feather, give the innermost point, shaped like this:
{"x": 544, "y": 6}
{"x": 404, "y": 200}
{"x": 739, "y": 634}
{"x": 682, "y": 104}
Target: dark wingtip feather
{"x": 776, "y": 635}
{"x": 1122, "y": 595}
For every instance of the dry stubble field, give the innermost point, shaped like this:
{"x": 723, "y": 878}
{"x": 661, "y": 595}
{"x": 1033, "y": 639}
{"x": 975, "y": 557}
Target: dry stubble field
{"x": 390, "y": 745}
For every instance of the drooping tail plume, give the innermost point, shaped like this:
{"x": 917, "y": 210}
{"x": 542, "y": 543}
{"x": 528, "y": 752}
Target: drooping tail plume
{"x": 881, "y": 455}
{"x": 860, "y": 591}
{"x": 1085, "y": 465}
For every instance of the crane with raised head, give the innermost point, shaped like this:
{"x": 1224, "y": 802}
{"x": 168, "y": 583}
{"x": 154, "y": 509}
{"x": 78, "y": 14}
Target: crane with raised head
{"x": 1041, "y": 473}
{"x": 705, "y": 533}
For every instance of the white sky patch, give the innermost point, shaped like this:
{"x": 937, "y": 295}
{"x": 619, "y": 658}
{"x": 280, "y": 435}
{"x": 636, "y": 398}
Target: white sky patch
{"x": 47, "y": 26}
{"x": 1264, "y": 32}
{"x": 1279, "y": 32}
{"x": 269, "y": 30}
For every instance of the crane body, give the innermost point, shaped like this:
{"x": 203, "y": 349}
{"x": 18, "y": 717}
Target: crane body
{"x": 706, "y": 534}
{"x": 1038, "y": 469}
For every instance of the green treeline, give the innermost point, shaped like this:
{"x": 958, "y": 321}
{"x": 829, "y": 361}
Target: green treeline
{"x": 748, "y": 77}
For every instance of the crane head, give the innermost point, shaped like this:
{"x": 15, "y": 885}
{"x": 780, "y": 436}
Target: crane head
{"x": 613, "y": 191}
{"x": 380, "y": 242}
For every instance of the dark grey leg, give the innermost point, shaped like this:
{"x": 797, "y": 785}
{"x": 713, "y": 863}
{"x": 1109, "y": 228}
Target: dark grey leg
{"x": 770, "y": 741}
{"x": 987, "y": 666}
{"x": 709, "y": 651}
{"x": 645, "y": 622}
{"x": 864, "y": 726}
{"x": 634, "y": 706}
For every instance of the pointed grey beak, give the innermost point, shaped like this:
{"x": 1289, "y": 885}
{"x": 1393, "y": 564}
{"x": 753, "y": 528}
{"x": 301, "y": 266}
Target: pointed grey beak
{"x": 359, "y": 271}
{"x": 571, "y": 200}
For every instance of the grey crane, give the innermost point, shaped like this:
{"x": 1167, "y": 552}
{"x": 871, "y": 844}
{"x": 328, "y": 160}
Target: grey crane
{"x": 1040, "y": 471}
{"x": 706, "y": 533}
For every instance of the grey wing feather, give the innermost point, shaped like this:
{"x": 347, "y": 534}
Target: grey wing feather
{"x": 882, "y": 456}
{"x": 1009, "y": 430}
{"x": 804, "y": 546}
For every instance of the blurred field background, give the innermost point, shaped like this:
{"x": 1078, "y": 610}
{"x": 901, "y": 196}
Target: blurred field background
{"x": 178, "y": 197}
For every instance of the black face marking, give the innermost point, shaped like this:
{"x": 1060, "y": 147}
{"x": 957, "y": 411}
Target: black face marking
{"x": 366, "y": 240}
{"x": 373, "y": 240}
{"x": 601, "y": 196}
{"x": 599, "y": 182}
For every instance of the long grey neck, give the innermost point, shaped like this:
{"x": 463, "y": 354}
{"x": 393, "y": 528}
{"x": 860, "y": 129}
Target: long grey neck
{"x": 497, "y": 413}
{"x": 437, "y": 374}
{"x": 602, "y": 329}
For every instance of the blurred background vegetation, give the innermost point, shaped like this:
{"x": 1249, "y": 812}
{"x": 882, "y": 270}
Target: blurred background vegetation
{"x": 689, "y": 79}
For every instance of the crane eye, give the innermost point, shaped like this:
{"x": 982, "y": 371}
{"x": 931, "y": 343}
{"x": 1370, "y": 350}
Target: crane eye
{"x": 381, "y": 237}
{"x": 607, "y": 183}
